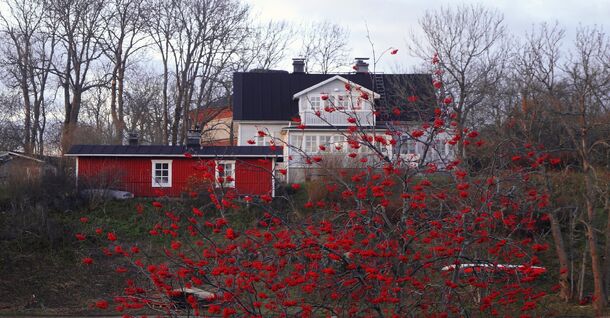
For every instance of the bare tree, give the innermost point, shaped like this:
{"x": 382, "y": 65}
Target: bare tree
{"x": 198, "y": 38}
{"x": 124, "y": 23}
{"x": 588, "y": 79}
{"x": 77, "y": 24}
{"x": 27, "y": 60}
{"x": 265, "y": 46}
{"x": 467, "y": 43}
{"x": 324, "y": 47}
{"x": 144, "y": 105}
{"x": 537, "y": 75}
{"x": 95, "y": 123}
{"x": 161, "y": 32}
{"x": 11, "y": 132}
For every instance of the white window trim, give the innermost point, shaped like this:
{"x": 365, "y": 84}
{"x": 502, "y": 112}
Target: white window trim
{"x": 225, "y": 184}
{"x": 156, "y": 184}
{"x": 306, "y": 103}
{"x": 314, "y": 144}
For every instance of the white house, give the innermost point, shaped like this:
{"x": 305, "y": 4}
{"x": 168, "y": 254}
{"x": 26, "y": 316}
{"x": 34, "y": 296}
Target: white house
{"x": 310, "y": 115}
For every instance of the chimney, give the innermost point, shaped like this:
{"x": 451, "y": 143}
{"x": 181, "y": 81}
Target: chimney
{"x": 298, "y": 65}
{"x": 361, "y": 65}
{"x": 193, "y": 138}
{"x": 133, "y": 138}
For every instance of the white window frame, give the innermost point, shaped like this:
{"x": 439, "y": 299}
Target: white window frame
{"x": 407, "y": 145}
{"x": 343, "y": 102}
{"x": 262, "y": 141}
{"x": 326, "y": 143}
{"x": 311, "y": 145}
{"x": 315, "y": 102}
{"x": 154, "y": 182}
{"x": 339, "y": 140}
{"x": 296, "y": 141}
{"x": 226, "y": 184}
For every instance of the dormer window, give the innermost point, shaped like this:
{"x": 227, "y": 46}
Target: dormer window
{"x": 315, "y": 102}
{"x": 343, "y": 102}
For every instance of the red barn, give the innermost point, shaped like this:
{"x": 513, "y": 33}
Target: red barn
{"x": 152, "y": 170}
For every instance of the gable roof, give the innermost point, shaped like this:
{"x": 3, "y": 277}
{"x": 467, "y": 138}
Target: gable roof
{"x": 269, "y": 96}
{"x": 6, "y": 156}
{"x": 172, "y": 151}
{"x": 326, "y": 81}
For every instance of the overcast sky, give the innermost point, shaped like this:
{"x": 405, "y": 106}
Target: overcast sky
{"x": 390, "y": 21}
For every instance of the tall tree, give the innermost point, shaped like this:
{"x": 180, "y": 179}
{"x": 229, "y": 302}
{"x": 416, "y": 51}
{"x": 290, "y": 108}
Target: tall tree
{"x": 197, "y": 39}
{"x": 588, "y": 79}
{"x": 467, "y": 41}
{"x": 77, "y": 24}
{"x": 161, "y": 31}
{"x": 324, "y": 47}
{"x": 265, "y": 46}
{"x": 537, "y": 73}
{"x": 144, "y": 105}
{"x": 27, "y": 59}
{"x": 124, "y": 24}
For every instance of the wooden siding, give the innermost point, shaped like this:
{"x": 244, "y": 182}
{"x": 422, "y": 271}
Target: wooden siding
{"x": 252, "y": 176}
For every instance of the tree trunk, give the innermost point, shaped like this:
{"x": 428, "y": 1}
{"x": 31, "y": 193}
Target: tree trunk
{"x": 70, "y": 123}
{"x": 607, "y": 252}
{"x": 113, "y": 102}
{"x": 165, "y": 131}
{"x": 599, "y": 302}
{"x": 27, "y": 146}
{"x": 120, "y": 102}
{"x": 562, "y": 256}
{"x": 66, "y": 132}
{"x": 581, "y": 279}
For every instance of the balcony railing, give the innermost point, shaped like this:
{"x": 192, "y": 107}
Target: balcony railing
{"x": 338, "y": 118}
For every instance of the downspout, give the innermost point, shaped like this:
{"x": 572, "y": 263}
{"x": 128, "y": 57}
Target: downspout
{"x": 76, "y": 175}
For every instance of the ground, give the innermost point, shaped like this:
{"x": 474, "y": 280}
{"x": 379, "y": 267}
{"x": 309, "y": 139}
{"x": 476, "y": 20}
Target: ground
{"x": 37, "y": 278}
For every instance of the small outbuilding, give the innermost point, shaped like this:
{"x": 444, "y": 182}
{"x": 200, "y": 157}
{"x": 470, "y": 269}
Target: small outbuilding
{"x": 153, "y": 170}
{"x": 19, "y": 167}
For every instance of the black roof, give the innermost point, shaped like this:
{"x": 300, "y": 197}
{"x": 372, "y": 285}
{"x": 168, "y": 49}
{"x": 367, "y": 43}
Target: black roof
{"x": 172, "y": 151}
{"x": 269, "y": 96}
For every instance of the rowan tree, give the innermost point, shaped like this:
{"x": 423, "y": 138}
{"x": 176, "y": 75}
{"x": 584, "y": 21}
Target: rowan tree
{"x": 393, "y": 237}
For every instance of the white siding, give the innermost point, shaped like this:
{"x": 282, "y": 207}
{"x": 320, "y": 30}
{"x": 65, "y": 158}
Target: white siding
{"x": 249, "y": 131}
{"x": 338, "y": 99}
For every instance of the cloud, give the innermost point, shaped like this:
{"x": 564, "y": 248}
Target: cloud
{"x": 390, "y": 21}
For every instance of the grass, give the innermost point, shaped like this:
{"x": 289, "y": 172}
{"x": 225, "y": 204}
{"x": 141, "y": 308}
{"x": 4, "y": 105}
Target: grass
{"x": 52, "y": 271}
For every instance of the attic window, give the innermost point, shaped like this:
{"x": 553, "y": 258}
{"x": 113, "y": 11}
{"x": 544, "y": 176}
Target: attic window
{"x": 343, "y": 102}
{"x": 315, "y": 102}
{"x": 161, "y": 173}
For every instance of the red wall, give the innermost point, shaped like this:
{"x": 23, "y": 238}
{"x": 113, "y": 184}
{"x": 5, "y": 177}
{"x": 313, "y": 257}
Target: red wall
{"x": 252, "y": 176}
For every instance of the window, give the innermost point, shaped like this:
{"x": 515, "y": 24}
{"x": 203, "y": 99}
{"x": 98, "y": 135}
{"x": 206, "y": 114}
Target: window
{"x": 296, "y": 141}
{"x": 339, "y": 143}
{"x": 310, "y": 144}
{"x": 225, "y": 173}
{"x": 381, "y": 147}
{"x": 330, "y": 102}
{"x": 161, "y": 173}
{"x": 343, "y": 102}
{"x": 440, "y": 147}
{"x": 325, "y": 141}
{"x": 407, "y": 146}
{"x": 262, "y": 141}
{"x": 315, "y": 102}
